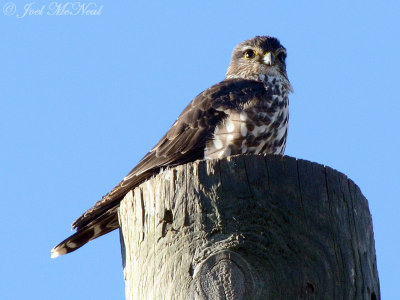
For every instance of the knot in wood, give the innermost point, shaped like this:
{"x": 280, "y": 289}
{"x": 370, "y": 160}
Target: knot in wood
{"x": 224, "y": 275}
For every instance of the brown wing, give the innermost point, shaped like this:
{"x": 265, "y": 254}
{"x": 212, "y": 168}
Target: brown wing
{"x": 184, "y": 142}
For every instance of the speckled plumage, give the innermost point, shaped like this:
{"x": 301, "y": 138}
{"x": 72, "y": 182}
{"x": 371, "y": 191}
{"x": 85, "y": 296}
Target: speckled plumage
{"x": 260, "y": 126}
{"x": 245, "y": 113}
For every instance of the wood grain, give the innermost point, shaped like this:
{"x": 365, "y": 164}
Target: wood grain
{"x": 248, "y": 227}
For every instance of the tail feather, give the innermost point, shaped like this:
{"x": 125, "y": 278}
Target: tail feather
{"x": 101, "y": 225}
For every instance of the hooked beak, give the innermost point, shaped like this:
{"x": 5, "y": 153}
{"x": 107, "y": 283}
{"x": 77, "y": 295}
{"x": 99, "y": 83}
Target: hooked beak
{"x": 269, "y": 58}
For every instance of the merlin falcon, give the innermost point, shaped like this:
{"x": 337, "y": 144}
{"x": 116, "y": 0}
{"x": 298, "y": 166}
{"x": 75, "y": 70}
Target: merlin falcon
{"x": 246, "y": 113}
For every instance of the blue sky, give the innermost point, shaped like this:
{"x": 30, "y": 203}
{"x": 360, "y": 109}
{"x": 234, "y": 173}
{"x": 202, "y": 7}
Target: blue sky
{"x": 83, "y": 98}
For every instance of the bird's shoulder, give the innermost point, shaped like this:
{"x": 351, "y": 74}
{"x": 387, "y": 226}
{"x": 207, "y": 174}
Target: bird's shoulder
{"x": 185, "y": 141}
{"x": 228, "y": 92}
{"x": 211, "y": 105}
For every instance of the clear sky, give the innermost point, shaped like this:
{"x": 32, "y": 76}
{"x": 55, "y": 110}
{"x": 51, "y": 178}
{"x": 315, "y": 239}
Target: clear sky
{"x": 83, "y": 98}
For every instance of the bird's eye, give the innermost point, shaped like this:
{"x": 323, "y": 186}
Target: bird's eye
{"x": 282, "y": 56}
{"x": 249, "y": 54}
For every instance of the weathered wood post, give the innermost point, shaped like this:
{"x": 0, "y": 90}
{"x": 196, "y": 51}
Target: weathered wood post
{"x": 248, "y": 227}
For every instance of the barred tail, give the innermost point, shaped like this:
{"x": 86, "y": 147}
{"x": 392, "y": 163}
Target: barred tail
{"x": 101, "y": 225}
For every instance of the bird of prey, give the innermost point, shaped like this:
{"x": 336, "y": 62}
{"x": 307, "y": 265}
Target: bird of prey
{"x": 246, "y": 113}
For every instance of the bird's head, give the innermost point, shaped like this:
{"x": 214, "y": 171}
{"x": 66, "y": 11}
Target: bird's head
{"x": 261, "y": 55}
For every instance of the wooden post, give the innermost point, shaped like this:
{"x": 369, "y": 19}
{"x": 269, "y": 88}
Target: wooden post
{"x": 248, "y": 227}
